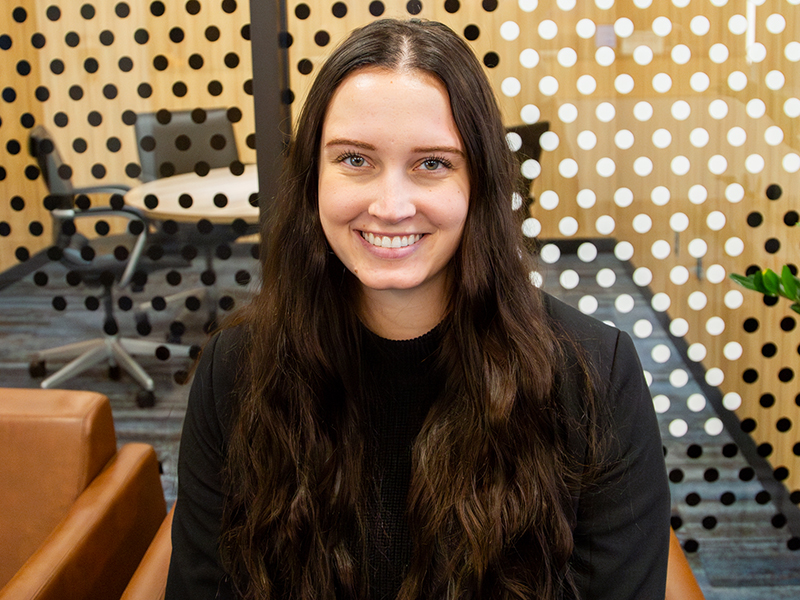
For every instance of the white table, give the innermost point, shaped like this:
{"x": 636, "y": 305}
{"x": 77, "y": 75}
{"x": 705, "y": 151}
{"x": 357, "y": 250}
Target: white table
{"x": 171, "y": 191}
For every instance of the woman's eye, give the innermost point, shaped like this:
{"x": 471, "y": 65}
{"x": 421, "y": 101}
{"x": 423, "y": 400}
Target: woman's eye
{"x": 354, "y": 160}
{"x": 431, "y": 164}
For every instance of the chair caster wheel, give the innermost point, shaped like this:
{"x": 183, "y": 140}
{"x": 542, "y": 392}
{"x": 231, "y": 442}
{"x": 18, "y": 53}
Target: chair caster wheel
{"x": 145, "y": 399}
{"x": 114, "y": 373}
{"x": 37, "y": 369}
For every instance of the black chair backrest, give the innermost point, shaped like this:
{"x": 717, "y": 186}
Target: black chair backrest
{"x": 56, "y": 174}
{"x": 175, "y": 142}
{"x": 530, "y": 134}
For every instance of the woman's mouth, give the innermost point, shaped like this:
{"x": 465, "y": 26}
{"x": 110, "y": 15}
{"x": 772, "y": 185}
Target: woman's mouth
{"x": 398, "y": 241}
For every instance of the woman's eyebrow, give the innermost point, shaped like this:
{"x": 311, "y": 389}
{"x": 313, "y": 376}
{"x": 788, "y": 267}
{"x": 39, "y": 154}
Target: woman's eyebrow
{"x": 346, "y": 142}
{"x": 440, "y": 149}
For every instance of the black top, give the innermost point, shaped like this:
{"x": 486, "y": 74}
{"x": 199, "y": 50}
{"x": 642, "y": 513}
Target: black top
{"x": 622, "y": 523}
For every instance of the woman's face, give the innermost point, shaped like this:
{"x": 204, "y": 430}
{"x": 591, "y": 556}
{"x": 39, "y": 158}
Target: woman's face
{"x": 393, "y": 180}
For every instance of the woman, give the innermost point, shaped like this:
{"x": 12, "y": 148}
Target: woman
{"x": 399, "y": 413}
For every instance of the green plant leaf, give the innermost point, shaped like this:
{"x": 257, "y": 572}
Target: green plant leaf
{"x": 789, "y": 283}
{"x": 796, "y": 308}
{"x": 744, "y": 281}
{"x": 772, "y": 282}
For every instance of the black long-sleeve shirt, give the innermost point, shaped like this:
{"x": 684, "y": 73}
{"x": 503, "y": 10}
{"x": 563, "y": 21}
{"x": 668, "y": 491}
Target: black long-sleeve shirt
{"x": 622, "y": 521}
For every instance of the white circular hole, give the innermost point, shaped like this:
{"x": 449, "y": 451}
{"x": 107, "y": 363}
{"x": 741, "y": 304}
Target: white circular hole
{"x": 699, "y": 82}
{"x": 643, "y": 166}
{"x": 587, "y": 252}
{"x": 734, "y": 299}
{"x": 660, "y": 353}
{"x": 715, "y": 376}
{"x": 791, "y": 108}
{"x": 775, "y": 23}
{"x": 755, "y": 108}
{"x": 680, "y": 165}
{"x": 716, "y": 273}
{"x": 586, "y": 84}
{"x": 530, "y": 114}
{"x": 736, "y": 136}
{"x": 698, "y": 248}
{"x": 679, "y": 222}
{"x": 516, "y": 201}
{"x": 604, "y": 56}
{"x": 605, "y": 112}
{"x": 548, "y": 85}
{"x": 678, "y": 378}
{"x": 514, "y": 141}
{"x": 550, "y": 253}
{"x": 588, "y": 305}
{"x": 718, "y": 53}
{"x": 642, "y": 328}
{"x": 731, "y": 401}
{"x": 604, "y": 4}
{"x": 529, "y": 58}
{"x": 791, "y": 162}
{"x": 661, "y": 403}
{"x": 680, "y": 110}
{"x": 734, "y": 193}
{"x": 605, "y": 167}
{"x": 678, "y": 428}
{"x": 662, "y": 138}
{"x": 754, "y": 163}
{"x": 568, "y": 168}
{"x": 661, "y": 249}
{"x": 698, "y": 194}
{"x": 624, "y": 83}
{"x": 696, "y": 402}
{"x": 717, "y": 164}
{"x": 623, "y": 27}
{"x": 586, "y": 198}
{"x": 509, "y": 31}
{"x": 662, "y": 26}
{"x": 737, "y": 81}
{"x": 623, "y": 197}
{"x": 792, "y": 51}
{"x": 660, "y": 195}
{"x": 679, "y": 275}
{"x": 531, "y": 227}
{"x": 699, "y": 137}
{"x": 697, "y": 300}
{"x": 733, "y": 351}
{"x": 605, "y": 225}
{"x": 643, "y": 111}
{"x": 585, "y": 28}
{"x": 623, "y": 251}
{"x": 700, "y": 25}
{"x": 549, "y": 141}
{"x": 623, "y": 139}
{"x": 568, "y": 226}
{"x": 679, "y": 327}
{"x": 775, "y": 80}
{"x": 548, "y": 200}
{"x": 606, "y": 278}
{"x": 715, "y": 326}
{"x": 696, "y": 352}
{"x": 642, "y": 223}
{"x": 567, "y": 113}
{"x": 530, "y": 169}
{"x": 511, "y": 87}
{"x": 548, "y": 29}
{"x": 624, "y": 303}
{"x": 569, "y": 279}
{"x": 660, "y": 302}
{"x": 718, "y": 109}
{"x": 662, "y": 83}
{"x": 587, "y": 140}
{"x": 737, "y": 24}
{"x": 567, "y": 57}
{"x": 536, "y": 279}
{"x": 643, "y": 55}
{"x": 642, "y": 276}
{"x": 681, "y": 54}
{"x": 566, "y": 5}
{"x": 713, "y": 426}
{"x": 528, "y": 5}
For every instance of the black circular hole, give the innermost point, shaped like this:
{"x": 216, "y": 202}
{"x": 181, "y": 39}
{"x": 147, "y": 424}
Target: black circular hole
{"x": 791, "y": 218}
{"x": 141, "y": 36}
{"x": 214, "y": 88}
{"x": 414, "y": 7}
{"x": 746, "y": 474}
{"x": 196, "y": 61}
{"x": 212, "y": 33}
{"x": 489, "y": 5}
{"x": 764, "y": 450}
{"x": 472, "y": 32}
{"x": 106, "y": 37}
{"x": 750, "y": 376}
{"x": 763, "y": 497}
{"x": 157, "y": 8}
{"x": 87, "y": 11}
{"x": 772, "y": 245}
{"x": 693, "y": 499}
{"x": 193, "y": 7}
{"x": 709, "y": 522}
{"x": 376, "y": 8}
{"x": 339, "y": 9}
{"x": 676, "y": 475}
{"x": 110, "y": 91}
{"x": 767, "y": 400}
{"x": 786, "y": 374}
{"x": 754, "y": 219}
{"x": 748, "y": 425}
{"x": 788, "y": 323}
{"x": 160, "y": 62}
{"x": 37, "y": 41}
{"x": 122, "y": 9}
{"x": 229, "y": 6}
{"x": 452, "y": 6}
{"x": 125, "y": 64}
{"x": 768, "y": 350}
{"x": 322, "y": 38}
{"x": 750, "y": 325}
{"x": 781, "y": 474}
{"x": 694, "y": 451}
{"x": 774, "y": 191}
{"x": 491, "y": 59}
{"x": 711, "y": 475}
{"x": 53, "y": 13}
{"x": 783, "y": 425}
{"x": 176, "y": 35}
{"x": 302, "y": 11}
{"x": 727, "y": 498}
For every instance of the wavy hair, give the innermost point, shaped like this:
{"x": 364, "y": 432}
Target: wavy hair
{"x": 490, "y": 500}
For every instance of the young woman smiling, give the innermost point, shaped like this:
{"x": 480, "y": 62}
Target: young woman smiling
{"x": 399, "y": 413}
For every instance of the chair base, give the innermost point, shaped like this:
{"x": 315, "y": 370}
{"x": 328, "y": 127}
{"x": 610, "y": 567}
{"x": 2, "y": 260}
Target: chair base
{"x": 118, "y": 352}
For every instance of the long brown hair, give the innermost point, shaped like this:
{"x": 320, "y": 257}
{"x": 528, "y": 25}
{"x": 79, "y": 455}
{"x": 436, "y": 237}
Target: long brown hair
{"x": 490, "y": 495}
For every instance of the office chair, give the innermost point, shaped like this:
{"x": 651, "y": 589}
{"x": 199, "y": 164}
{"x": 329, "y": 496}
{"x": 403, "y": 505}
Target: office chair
{"x": 182, "y": 141}
{"x": 94, "y": 269}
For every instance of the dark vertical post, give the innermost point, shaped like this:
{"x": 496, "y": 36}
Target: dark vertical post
{"x": 270, "y": 83}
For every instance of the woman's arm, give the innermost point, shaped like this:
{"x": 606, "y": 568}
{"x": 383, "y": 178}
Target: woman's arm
{"x": 622, "y": 533}
{"x": 195, "y": 572}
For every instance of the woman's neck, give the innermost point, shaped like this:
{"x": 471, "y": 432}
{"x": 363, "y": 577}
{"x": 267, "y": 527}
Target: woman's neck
{"x": 402, "y": 314}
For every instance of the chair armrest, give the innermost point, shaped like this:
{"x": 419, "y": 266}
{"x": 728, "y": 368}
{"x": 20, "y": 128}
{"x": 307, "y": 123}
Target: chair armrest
{"x": 95, "y": 550}
{"x": 681, "y": 582}
{"x": 116, "y": 188}
{"x": 150, "y": 580}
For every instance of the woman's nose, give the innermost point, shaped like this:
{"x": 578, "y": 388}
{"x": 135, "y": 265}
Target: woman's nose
{"x": 393, "y": 201}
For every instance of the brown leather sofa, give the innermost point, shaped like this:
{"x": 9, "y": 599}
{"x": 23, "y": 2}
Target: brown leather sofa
{"x": 76, "y": 515}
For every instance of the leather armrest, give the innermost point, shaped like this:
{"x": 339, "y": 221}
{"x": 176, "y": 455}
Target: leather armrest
{"x": 94, "y": 551}
{"x": 681, "y": 582}
{"x": 150, "y": 580}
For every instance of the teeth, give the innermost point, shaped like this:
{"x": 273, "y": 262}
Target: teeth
{"x": 387, "y": 242}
